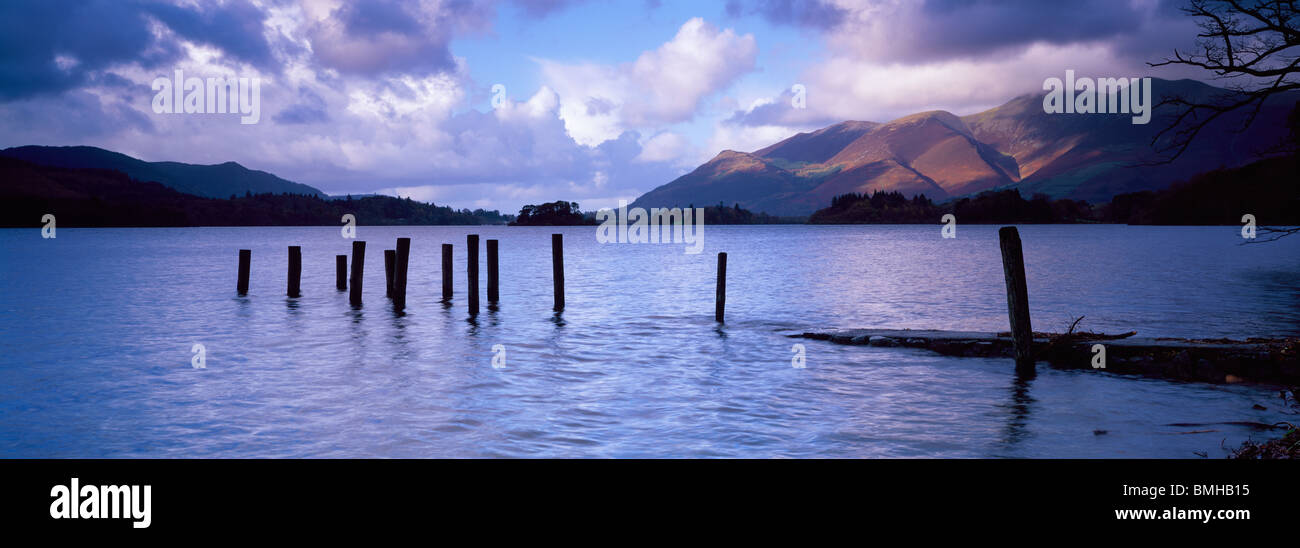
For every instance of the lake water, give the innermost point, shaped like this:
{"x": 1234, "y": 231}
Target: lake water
{"x": 97, "y": 326}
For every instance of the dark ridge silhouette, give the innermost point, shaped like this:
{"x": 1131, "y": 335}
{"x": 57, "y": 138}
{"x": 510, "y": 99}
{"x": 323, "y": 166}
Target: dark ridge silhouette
{"x": 990, "y": 207}
{"x": 107, "y": 198}
{"x": 735, "y": 215}
{"x": 212, "y": 181}
{"x": 561, "y": 213}
{"x": 1268, "y": 189}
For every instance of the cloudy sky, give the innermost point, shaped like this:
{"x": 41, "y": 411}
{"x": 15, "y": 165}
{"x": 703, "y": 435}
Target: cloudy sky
{"x": 602, "y": 99}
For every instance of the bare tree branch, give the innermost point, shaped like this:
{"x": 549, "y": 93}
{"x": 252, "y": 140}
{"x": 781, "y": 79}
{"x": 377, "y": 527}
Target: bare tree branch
{"x": 1270, "y": 234}
{"x": 1254, "y": 42}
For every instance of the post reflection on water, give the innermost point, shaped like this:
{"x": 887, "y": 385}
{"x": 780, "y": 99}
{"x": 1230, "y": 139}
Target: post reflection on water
{"x": 635, "y": 364}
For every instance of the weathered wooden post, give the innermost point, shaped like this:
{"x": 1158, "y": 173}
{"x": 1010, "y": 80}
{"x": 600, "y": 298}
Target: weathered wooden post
{"x": 720, "y": 300}
{"x": 493, "y": 276}
{"x": 401, "y": 260}
{"x": 471, "y": 241}
{"x": 295, "y": 271}
{"x": 1013, "y": 267}
{"x": 245, "y": 260}
{"x": 341, "y": 272}
{"x": 446, "y": 273}
{"x": 557, "y": 269}
{"x": 358, "y": 268}
{"x": 390, "y": 260}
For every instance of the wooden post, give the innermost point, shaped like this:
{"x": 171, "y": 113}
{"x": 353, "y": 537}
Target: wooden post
{"x": 390, "y": 260}
{"x": 358, "y": 268}
{"x": 295, "y": 271}
{"x": 341, "y": 272}
{"x": 402, "y": 259}
{"x": 557, "y": 269}
{"x": 720, "y": 300}
{"x": 471, "y": 241}
{"x": 446, "y": 273}
{"x": 494, "y": 278}
{"x": 245, "y": 260}
{"x": 1013, "y": 267}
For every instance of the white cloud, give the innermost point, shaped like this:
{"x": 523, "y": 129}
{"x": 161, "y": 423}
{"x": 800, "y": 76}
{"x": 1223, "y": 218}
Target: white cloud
{"x": 401, "y": 97}
{"x": 664, "y": 147}
{"x": 675, "y": 78}
{"x": 543, "y": 104}
{"x": 365, "y": 94}
{"x": 850, "y": 88}
{"x": 744, "y": 138}
{"x": 888, "y": 59}
{"x": 663, "y": 86}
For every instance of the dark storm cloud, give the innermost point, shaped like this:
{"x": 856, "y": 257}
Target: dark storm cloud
{"x": 378, "y": 16}
{"x": 1169, "y": 28}
{"x": 954, "y": 29}
{"x": 378, "y": 37}
{"x": 94, "y": 34}
{"x": 55, "y": 45}
{"x": 44, "y": 119}
{"x": 234, "y": 27}
{"x": 538, "y": 8}
{"x": 806, "y": 13}
{"x": 310, "y": 109}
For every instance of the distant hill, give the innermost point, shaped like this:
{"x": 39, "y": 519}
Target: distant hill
{"x": 82, "y": 197}
{"x": 212, "y": 181}
{"x": 1268, "y": 189}
{"x": 1088, "y": 157}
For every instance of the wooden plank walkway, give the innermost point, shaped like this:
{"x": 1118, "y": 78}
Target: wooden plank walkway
{"x": 1253, "y": 360}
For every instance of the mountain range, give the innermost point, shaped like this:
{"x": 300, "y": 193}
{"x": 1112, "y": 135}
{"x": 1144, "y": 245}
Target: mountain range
{"x": 1090, "y": 157}
{"x": 89, "y": 197}
{"x": 210, "y": 181}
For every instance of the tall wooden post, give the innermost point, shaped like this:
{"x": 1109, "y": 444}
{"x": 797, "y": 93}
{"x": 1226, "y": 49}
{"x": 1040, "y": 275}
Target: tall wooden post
{"x": 341, "y": 272}
{"x": 494, "y": 277}
{"x": 358, "y": 268}
{"x": 557, "y": 268}
{"x": 402, "y": 259}
{"x": 390, "y": 260}
{"x": 720, "y": 300}
{"x": 295, "y": 271}
{"x": 245, "y": 261}
{"x": 471, "y": 241}
{"x": 446, "y": 273}
{"x": 1013, "y": 268}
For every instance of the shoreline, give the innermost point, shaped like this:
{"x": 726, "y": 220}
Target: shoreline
{"x": 335, "y": 226}
{"x": 1255, "y": 360}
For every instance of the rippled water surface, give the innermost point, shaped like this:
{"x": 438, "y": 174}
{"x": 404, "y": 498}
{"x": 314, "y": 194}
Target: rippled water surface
{"x": 97, "y": 325}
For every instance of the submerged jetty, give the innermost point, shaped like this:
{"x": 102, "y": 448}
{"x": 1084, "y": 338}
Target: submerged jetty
{"x": 1210, "y": 360}
{"x": 1206, "y": 360}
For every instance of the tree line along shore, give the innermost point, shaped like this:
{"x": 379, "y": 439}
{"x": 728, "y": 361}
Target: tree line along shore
{"x": 1267, "y": 189}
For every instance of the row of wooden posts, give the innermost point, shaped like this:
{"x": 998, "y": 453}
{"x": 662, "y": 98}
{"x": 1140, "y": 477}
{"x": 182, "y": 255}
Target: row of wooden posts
{"x": 396, "y": 263}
